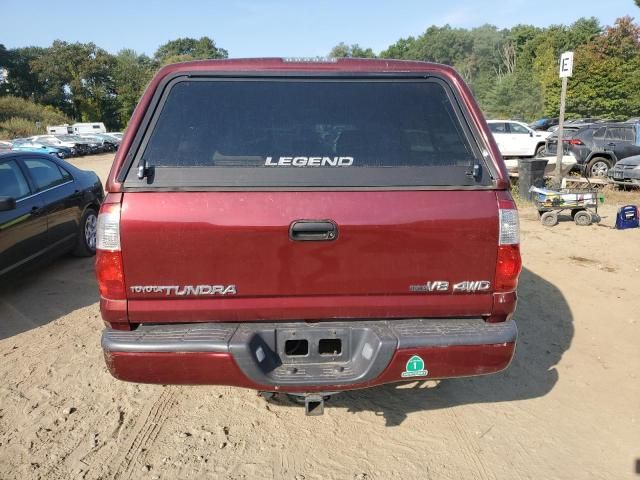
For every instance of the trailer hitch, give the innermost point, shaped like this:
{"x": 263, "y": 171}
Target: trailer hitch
{"x": 313, "y": 402}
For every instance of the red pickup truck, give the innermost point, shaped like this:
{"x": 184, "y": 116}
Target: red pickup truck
{"x": 307, "y": 227}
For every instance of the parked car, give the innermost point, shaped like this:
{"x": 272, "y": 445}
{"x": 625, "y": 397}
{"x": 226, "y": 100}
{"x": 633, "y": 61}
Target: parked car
{"x": 117, "y": 135}
{"x": 544, "y": 124}
{"x": 599, "y": 146}
{"x": 567, "y": 128}
{"x": 26, "y": 145}
{"x": 104, "y": 144}
{"x": 336, "y": 225}
{"x": 83, "y": 146}
{"x": 4, "y": 145}
{"x": 583, "y": 121}
{"x": 55, "y": 141}
{"x": 47, "y": 208}
{"x": 551, "y": 144}
{"x": 110, "y": 142}
{"x": 515, "y": 139}
{"x": 626, "y": 171}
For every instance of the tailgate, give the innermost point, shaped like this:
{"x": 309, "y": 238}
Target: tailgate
{"x": 225, "y": 167}
{"x": 230, "y": 255}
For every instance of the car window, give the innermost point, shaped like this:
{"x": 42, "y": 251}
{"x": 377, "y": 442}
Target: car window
{"x": 628, "y": 135}
{"x": 376, "y": 132}
{"x": 614, "y": 133}
{"x": 599, "y": 133}
{"x": 45, "y": 174}
{"x": 517, "y": 128}
{"x": 12, "y": 181}
{"x": 497, "y": 127}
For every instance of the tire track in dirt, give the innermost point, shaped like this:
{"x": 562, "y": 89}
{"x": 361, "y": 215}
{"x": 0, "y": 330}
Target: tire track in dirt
{"x": 461, "y": 435}
{"x": 146, "y": 432}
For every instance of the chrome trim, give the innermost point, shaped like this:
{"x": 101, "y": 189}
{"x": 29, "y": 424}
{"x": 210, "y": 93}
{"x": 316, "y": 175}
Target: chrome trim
{"x": 43, "y": 191}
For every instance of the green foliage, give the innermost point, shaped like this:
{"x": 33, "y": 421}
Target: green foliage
{"x": 21, "y": 80}
{"x": 512, "y": 72}
{"x": 131, "y": 75}
{"x": 185, "y": 49}
{"x": 17, "y": 127}
{"x": 77, "y": 78}
{"x": 87, "y": 83}
{"x": 605, "y": 82}
{"x": 18, "y": 117}
{"x": 31, "y": 111}
{"x": 342, "y": 50}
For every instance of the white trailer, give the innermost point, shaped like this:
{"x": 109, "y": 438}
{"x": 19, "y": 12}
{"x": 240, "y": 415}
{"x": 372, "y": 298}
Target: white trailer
{"x": 93, "y": 127}
{"x": 59, "y": 129}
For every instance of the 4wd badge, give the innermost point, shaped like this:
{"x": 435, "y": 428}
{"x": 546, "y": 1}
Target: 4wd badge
{"x": 415, "y": 368}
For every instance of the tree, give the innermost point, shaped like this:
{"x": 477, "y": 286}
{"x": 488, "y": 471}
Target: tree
{"x": 184, "y": 49}
{"x": 399, "y": 50}
{"x": 342, "y": 50}
{"x": 131, "y": 74}
{"x": 605, "y": 76}
{"x": 21, "y": 81}
{"x": 77, "y": 78}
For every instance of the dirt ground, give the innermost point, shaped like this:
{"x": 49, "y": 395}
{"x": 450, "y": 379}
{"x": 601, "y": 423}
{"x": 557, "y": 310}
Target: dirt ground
{"x": 567, "y": 408}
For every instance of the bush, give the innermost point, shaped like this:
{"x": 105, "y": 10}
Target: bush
{"x": 18, "y": 117}
{"x": 17, "y": 127}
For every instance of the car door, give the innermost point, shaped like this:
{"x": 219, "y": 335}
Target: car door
{"x": 23, "y": 229}
{"x": 501, "y": 135}
{"x": 520, "y": 140}
{"x": 62, "y": 199}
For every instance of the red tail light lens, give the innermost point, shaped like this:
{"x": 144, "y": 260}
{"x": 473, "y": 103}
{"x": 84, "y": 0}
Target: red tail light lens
{"x": 110, "y": 275}
{"x": 573, "y": 141}
{"x": 509, "y": 262}
{"x": 508, "y": 267}
{"x": 109, "y": 268}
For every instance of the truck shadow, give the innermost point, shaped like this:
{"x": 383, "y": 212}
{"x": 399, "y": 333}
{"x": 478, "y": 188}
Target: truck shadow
{"x": 45, "y": 293}
{"x": 545, "y": 331}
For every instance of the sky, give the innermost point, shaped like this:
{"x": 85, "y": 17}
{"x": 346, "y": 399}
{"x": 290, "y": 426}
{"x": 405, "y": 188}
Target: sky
{"x": 288, "y": 28}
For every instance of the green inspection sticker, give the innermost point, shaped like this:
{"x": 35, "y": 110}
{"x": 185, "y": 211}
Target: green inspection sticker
{"x": 415, "y": 368}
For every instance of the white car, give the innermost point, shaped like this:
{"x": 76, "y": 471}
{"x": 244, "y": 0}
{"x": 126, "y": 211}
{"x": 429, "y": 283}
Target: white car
{"x": 52, "y": 140}
{"x": 516, "y": 139}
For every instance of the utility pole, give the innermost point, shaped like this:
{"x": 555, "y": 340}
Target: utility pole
{"x": 566, "y": 70}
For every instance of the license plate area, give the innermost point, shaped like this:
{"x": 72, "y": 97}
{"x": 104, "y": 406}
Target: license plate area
{"x": 617, "y": 174}
{"x": 317, "y": 345}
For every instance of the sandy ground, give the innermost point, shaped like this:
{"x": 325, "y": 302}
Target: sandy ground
{"x": 567, "y": 408}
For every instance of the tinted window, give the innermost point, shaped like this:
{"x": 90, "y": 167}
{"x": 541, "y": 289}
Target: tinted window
{"x": 263, "y": 128}
{"x": 599, "y": 133}
{"x": 585, "y": 134}
{"x": 12, "y": 181}
{"x": 620, "y": 133}
{"x": 517, "y": 128}
{"x": 45, "y": 174}
{"x": 498, "y": 127}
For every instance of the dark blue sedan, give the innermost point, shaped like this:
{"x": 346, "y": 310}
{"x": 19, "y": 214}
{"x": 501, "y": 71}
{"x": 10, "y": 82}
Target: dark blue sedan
{"x": 48, "y": 207}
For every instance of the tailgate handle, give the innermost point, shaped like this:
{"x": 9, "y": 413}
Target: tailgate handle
{"x": 313, "y": 230}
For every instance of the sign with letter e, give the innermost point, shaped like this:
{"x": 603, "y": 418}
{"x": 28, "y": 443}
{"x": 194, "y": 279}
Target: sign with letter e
{"x": 566, "y": 64}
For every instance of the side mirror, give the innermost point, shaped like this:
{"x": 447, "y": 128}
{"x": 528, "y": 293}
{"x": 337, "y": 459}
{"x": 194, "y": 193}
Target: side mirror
{"x": 7, "y": 203}
{"x": 531, "y": 134}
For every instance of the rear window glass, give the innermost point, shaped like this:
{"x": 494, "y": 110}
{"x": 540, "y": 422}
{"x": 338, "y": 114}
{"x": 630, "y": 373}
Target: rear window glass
{"x": 308, "y": 132}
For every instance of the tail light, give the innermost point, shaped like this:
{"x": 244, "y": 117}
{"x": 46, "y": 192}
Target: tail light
{"x": 109, "y": 268}
{"x": 509, "y": 262}
{"x": 573, "y": 141}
